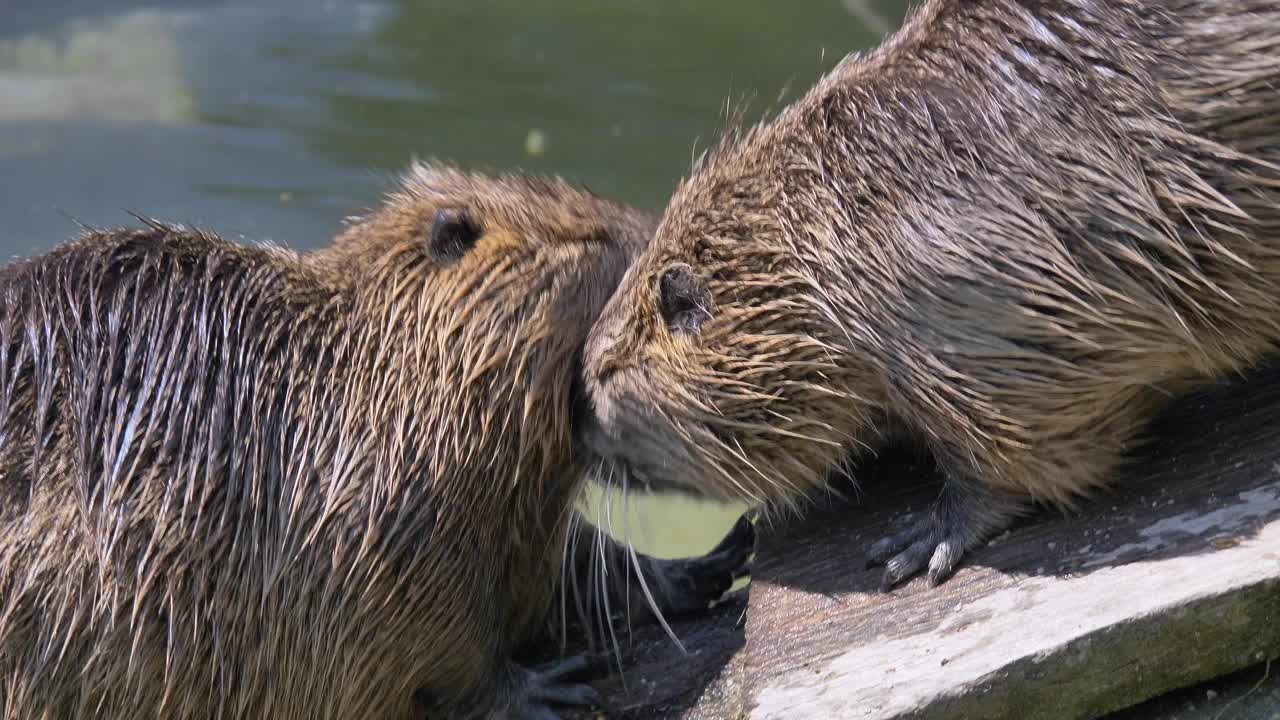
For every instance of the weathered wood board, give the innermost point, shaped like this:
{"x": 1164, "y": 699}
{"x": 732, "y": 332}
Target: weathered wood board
{"x": 1052, "y": 626}
{"x": 1172, "y": 579}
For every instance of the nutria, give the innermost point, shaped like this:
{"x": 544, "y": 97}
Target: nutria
{"x": 248, "y": 482}
{"x": 1010, "y": 232}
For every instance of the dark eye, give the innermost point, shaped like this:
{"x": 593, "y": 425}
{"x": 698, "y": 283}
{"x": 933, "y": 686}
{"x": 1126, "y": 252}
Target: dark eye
{"x": 683, "y": 300}
{"x": 452, "y": 233}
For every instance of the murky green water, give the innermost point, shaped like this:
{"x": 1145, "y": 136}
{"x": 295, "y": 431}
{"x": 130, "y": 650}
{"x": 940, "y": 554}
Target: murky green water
{"x": 274, "y": 119}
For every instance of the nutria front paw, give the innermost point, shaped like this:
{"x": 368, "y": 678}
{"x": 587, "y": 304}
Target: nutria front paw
{"x": 693, "y": 584}
{"x": 963, "y": 516}
{"x": 538, "y": 691}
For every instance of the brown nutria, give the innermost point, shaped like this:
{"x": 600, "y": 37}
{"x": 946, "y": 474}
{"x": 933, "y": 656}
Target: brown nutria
{"x": 246, "y": 482}
{"x": 1010, "y": 232}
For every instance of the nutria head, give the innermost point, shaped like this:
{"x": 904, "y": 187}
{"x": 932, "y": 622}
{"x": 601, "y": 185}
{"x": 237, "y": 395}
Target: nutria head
{"x": 711, "y": 370}
{"x": 480, "y": 291}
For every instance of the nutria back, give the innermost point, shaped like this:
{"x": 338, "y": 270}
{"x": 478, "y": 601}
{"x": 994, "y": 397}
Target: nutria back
{"x": 248, "y": 482}
{"x": 1012, "y": 231}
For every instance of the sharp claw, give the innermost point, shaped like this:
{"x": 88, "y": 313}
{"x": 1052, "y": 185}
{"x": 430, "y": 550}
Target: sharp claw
{"x": 906, "y": 563}
{"x": 963, "y": 514}
{"x": 888, "y": 581}
{"x": 944, "y": 560}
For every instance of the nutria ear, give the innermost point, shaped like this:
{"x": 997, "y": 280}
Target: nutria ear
{"x": 683, "y": 300}
{"x": 452, "y": 233}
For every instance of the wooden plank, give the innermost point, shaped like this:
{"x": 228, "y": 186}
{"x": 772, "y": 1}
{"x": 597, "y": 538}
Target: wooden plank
{"x": 1172, "y": 579}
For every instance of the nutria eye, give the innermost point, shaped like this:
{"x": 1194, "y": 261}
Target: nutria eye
{"x": 452, "y": 233}
{"x": 683, "y": 300}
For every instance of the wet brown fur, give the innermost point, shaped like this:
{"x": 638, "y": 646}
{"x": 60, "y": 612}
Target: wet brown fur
{"x": 1013, "y": 231}
{"x": 247, "y": 482}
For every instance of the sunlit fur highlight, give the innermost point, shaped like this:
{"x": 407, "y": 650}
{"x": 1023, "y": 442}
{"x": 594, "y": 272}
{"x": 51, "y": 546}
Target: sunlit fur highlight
{"x": 1013, "y": 230}
{"x": 247, "y": 482}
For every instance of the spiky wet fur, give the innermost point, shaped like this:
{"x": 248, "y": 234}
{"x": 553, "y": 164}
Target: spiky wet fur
{"x": 1013, "y": 231}
{"x": 246, "y": 482}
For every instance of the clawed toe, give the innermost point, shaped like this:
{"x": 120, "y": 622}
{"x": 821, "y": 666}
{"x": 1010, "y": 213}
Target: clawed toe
{"x": 909, "y": 552}
{"x": 549, "y": 686}
{"x": 906, "y": 563}
{"x": 885, "y": 549}
{"x": 946, "y": 556}
{"x": 962, "y": 516}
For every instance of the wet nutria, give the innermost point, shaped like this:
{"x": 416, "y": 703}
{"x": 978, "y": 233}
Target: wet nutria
{"x": 243, "y": 482}
{"x": 1011, "y": 232}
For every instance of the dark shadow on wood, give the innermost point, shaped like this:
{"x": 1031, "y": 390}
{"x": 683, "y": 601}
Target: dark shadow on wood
{"x": 659, "y": 681}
